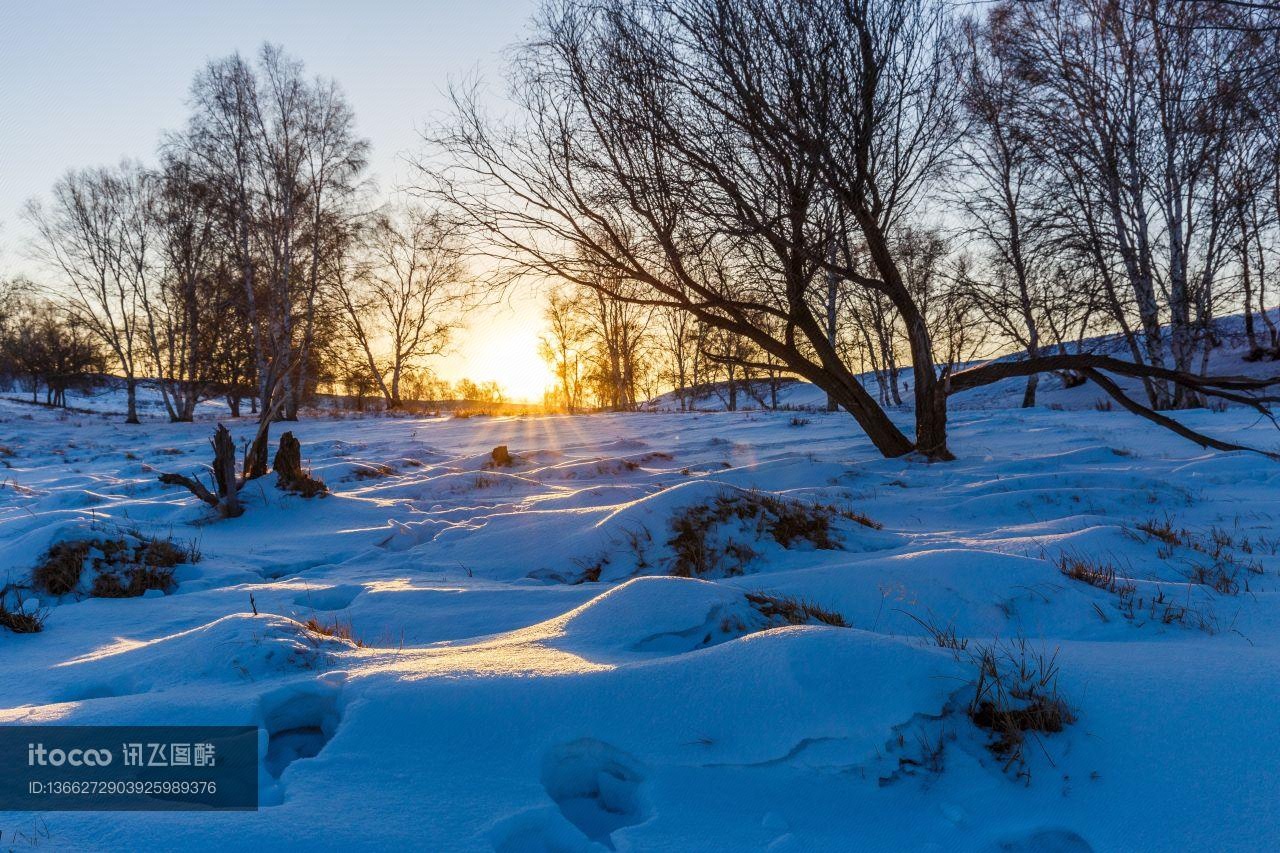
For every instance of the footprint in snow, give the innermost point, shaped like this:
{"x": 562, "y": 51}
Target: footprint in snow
{"x": 596, "y": 786}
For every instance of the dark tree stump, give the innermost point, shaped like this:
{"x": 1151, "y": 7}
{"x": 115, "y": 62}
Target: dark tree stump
{"x": 226, "y": 501}
{"x": 501, "y": 457}
{"x": 224, "y": 472}
{"x": 288, "y": 468}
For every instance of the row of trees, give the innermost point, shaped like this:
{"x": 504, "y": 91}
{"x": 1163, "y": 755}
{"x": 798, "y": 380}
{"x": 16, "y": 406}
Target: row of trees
{"x": 250, "y": 260}
{"x": 838, "y": 182}
{"x": 607, "y": 353}
{"x": 42, "y": 346}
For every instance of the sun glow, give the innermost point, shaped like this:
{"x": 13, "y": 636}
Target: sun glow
{"x": 501, "y": 344}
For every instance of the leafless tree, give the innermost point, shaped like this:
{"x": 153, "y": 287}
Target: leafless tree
{"x": 399, "y": 300}
{"x": 94, "y": 233}
{"x": 698, "y": 150}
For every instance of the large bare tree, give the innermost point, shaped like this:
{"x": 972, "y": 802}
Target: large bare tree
{"x": 711, "y": 153}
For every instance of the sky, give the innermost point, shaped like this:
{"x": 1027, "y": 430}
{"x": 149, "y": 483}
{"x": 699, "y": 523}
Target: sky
{"x": 88, "y": 83}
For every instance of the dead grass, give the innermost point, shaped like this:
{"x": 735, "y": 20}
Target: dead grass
{"x": 1163, "y": 530}
{"x": 1158, "y": 608}
{"x": 373, "y": 472}
{"x": 132, "y": 582}
{"x": 335, "y": 628}
{"x": 126, "y": 566}
{"x": 16, "y": 616}
{"x": 1015, "y": 694}
{"x": 943, "y": 636}
{"x": 59, "y": 570}
{"x": 1095, "y": 572}
{"x": 794, "y": 611}
{"x": 788, "y": 522}
{"x": 1217, "y": 562}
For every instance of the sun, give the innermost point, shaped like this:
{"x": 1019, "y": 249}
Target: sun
{"x": 502, "y": 346}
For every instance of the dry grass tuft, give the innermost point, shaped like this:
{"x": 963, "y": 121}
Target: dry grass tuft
{"x": 335, "y": 628}
{"x": 126, "y": 566}
{"x": 132, "y": 582}
{"x": 1016, "y": 694}
{"x": 944, "y": 637}
{"x": 17, "y": 617}
{"x": 794, "y": 611}
{"x": 1095, "y": 572}
{"x": 373, "y": 472}
{"x": 58, "y": 572}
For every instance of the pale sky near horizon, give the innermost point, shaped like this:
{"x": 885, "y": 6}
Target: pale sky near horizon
{"x": 85, "y": 84}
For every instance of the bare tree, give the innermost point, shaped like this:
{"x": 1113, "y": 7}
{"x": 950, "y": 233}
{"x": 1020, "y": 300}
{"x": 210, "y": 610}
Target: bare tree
{"x": 403, "y": 288}
{"x": 563, "y": 347}
{"x": 697, "y": 149}
{"x": 94, "y": 233}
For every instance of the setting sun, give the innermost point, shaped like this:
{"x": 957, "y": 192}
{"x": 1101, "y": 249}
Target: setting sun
{"x": 502, "y": 345}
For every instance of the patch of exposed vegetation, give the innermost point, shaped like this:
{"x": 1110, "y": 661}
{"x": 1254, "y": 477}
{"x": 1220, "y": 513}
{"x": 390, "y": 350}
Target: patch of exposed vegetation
{"x": 335, "y": 628}
{"x": 943, "y": 636}
{"x": 794, "y": 611}
{"x": 59, "y": 570}
{"x": 372, "y": 472}
{"x": 124, "y": 566}
{"x": 132, "y": 582}
{"x": 17, "y": 616}
{"x": 1015, "y": 695}
{"x": 1214, "y": 559}
{"x": 786, "y": 521}
{"x": 1134, "y": 608}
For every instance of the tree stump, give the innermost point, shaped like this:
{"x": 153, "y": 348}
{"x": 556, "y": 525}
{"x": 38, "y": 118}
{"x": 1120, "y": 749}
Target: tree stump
{"x": 224, "y": 472}
{"x": 501, "y": 457}
{"x": 226, "y": 501}
{"x": 288, "y": 468}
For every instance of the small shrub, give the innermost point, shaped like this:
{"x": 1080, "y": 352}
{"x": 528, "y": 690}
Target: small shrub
{"x": 799, "y": 421}
{"x": 1102, "y": 404}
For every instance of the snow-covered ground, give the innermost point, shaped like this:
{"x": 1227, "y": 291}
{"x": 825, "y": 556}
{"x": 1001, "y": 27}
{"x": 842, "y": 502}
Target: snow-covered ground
{"x": 503, "y": 699}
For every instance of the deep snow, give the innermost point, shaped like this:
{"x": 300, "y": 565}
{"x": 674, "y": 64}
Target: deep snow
{"x": 497, "y": 705}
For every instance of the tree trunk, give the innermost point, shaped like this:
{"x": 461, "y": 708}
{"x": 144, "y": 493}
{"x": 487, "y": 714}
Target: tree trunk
{"x": 131, "y": 386}
{"x": 1029, "y": 394}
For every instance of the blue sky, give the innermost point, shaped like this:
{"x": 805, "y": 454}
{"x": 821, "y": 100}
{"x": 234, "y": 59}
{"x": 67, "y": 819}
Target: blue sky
{"x": 87, "y": 83}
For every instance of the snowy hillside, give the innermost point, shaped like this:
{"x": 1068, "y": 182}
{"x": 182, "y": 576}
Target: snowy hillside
{"x": 530, "y": 676}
